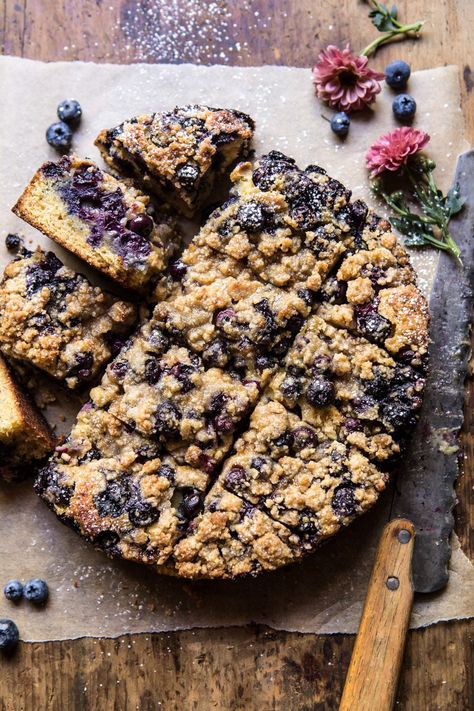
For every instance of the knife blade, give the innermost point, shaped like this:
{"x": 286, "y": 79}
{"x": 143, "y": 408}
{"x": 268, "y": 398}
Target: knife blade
{"x": 424, "y": 491}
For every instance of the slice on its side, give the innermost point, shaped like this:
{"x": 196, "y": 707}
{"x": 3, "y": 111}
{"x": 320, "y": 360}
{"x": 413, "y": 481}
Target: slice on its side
{"x": 24, "y": 433}
{"x": 102, "y": 220}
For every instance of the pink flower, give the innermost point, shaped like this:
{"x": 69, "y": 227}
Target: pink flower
{"x": 344, "y": 81}
{"x": 393, "y": 149}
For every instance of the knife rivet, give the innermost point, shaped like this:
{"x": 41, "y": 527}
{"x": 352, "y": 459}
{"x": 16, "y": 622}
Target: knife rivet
{"x": 404, "y": 536}
{"x": 392, "y": 583}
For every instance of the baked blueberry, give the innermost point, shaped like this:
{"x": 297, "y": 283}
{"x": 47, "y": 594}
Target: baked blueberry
{"x": 12, "y": 242}
{"x": 235, "y": 477}
{"x": 187, "y": 175}
{"x": 69, "y": 111}
{"x": 192, "y": 503}
{"x": 9, "y": 634}
{"x": 343, "y": 500}
{"x": 36, "y": 590}
{"x": 113, "y": 500}
{"x": 13, "y": 590}
{"x": 167, "y": 419}
{"x": 59, "y": 135}
{"x": 320, "y": 392}
{"x": 142, "y": 224}
{"x": 251, "y": 217}
{"x": 178, "y": 269}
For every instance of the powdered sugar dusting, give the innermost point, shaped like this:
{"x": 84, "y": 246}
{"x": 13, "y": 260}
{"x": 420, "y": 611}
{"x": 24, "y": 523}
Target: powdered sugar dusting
{"x": 194, "y": 31}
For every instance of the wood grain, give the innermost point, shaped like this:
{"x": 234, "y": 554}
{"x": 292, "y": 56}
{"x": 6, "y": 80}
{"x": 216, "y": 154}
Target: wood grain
{"x": 238, "y": 668}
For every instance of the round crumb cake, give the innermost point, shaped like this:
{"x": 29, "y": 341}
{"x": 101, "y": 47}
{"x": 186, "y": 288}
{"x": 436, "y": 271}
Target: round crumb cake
{"x": 259, "y": 409}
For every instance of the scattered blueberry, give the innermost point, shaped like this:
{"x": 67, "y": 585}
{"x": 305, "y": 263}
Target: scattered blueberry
{"x": 8, "y": 634}
{"x": 36, "y": 590}
{"x": 13, "y": 590}
{"x": 340, "y": 123}
{"x": 12, "y": 242}
{"x": 59, "y": 135}
{"x": 69, "y": 111}
{"x": 404, "y": 107}
{"x": 397, "y": 74}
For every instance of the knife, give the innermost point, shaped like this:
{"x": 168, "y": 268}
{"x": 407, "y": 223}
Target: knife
{"x": 414, "y": 551}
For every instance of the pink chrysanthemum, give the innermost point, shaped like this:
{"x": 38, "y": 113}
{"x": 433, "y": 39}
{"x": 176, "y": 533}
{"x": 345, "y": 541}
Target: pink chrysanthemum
{"x": 393, "y": 149}
{"x": 344, "y": 80}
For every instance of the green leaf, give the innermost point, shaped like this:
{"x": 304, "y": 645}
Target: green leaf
{"x": 394, "y": 12}
{"x": 454, "y": 201}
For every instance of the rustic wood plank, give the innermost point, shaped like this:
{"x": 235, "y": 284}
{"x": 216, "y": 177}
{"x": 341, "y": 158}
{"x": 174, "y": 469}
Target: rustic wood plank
{"x": 238, "y": 668}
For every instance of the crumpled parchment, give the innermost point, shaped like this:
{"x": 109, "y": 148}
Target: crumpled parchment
{"x": 91, "y": 595}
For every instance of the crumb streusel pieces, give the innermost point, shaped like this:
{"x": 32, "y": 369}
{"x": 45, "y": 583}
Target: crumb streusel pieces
{"x": 334, "y": 376}
{"x": 53, "y": 318}
{"x": 25, "y": 436}
{"x": 164, "y": 390}
{"x": 120, "y": 490}
{"x": 289, "y": 226}
{"x": 231, "y": 538}
{"x": 236, "y": 323}
{"x": 105, "y": 221}
{"x": 303, "y": 479}
{"x": 374, "y": 294}
{"x": 178, "y": 155}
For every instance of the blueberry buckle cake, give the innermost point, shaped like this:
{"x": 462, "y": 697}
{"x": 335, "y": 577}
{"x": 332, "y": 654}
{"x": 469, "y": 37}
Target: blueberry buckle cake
{"x": 101, "y": 219}
{"x": 180, "y": 155}
{"x": 55, "y": 320}
{"x": 278, "y": 376}
{"x": 25, "y": 436}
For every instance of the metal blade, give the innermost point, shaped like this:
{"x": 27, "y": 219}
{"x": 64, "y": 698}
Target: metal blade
{"x": 425, "y": 485}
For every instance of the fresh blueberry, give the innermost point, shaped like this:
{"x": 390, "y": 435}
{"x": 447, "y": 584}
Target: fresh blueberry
{"x": 59, "y": 135}
{"x": 69, "y": 111}
{"x": 8, "y": 634}
{"x": 397, "y": 74}
{"x": 340, "y": 123}
{"x": 12, "y": 242}
{"x": 404, "y": 107}
{"x": 13, "y": 590}
{"x": 36, "y": 590}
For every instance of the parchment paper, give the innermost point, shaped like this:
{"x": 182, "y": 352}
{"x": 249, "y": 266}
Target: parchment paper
{"x": 91, "y": 595}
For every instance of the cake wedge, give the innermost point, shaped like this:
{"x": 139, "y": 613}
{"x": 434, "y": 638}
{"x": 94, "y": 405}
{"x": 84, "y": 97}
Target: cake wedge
{"x": 104, "y": 221}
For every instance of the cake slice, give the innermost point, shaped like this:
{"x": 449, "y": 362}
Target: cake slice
{"x": 102, "y": 220}
{"x": 180, "y": 155}
{"x": 163, "y": 390}
{"x": 119, "y": 489}
{"x": 54, "y": 319}
{"x": 24, "y": 434}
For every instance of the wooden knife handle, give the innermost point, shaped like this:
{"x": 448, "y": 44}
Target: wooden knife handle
{"x": 371, "y": 681}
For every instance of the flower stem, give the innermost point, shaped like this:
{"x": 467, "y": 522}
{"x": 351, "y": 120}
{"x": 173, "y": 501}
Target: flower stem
{"x": 385, "y": 37}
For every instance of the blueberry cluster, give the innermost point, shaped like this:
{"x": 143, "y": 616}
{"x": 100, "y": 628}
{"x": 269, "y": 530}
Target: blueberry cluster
{"x": 35, "y": 591}
{"x": 59, "y": 134}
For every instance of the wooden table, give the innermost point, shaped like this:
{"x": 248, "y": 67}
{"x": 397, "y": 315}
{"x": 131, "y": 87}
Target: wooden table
{"x": 238, "y": 668}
